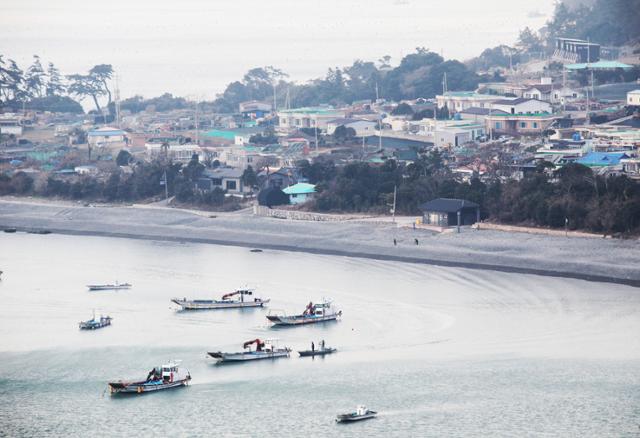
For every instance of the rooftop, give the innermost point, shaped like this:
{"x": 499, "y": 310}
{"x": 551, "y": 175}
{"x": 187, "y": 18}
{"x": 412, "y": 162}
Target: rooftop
{"x": 447, "y": 205}
{"x": 600, "y": 65}
{"x": 319, "y": 110}
{"x": 300, "y": 189}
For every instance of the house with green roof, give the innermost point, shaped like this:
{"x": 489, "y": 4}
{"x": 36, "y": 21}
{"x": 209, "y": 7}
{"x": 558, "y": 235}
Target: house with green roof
{"x": 300, "y": 193}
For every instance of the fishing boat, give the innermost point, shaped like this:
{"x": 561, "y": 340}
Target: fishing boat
{"x": 167, "y": 376}
{"x": 116, "y": 286}
{"x": 361, "y": 413}
{"x": 227, "y": 301}
{"x": 322, "y": 351}
{"x": 95, "y": 323}
{"x": 266, "y": 349}
{"x": 313, "y": 313}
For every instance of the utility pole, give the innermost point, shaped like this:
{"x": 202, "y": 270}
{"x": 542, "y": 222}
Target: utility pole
{"x": 197, "y": 124}
{"x": 275, "y": 101}
{"x": 589, "y": 68}
{"x": 393, "y": 210}
{"x": 316, "y": 133}
{"x": 166, "y": 187}
{"x": 117, "y": 99}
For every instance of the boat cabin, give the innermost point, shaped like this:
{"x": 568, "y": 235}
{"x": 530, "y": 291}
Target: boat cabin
{"x": 270, "y": 345}
{"x": 169, "y": 371}
{"x": 321, "y": 309}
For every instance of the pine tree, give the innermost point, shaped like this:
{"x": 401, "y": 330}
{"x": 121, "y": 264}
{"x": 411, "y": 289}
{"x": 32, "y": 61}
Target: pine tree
{"x": 35, "y": 78}
{"x": 55, "y": 85}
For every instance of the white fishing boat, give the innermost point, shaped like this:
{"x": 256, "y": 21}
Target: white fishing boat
{"x": 116, "y": 286}
{"x": 361, "y": 413}
{"x": 226, "y": 302}
{"x": 267, "y": 349}
{"x": 313, "y": 313}
{"x": 167, "y": 376}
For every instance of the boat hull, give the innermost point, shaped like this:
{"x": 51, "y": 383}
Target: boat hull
{"x": 300, "y": 319}
{"x": 91, "y": 326}
{"x": 245, "y": 357}
{"x": 97, "y": 287}
{"x": 350, "y": 418}
{"x": 307, "y": 353}
{"x": 145, "y": 387}
{"x": 214, "y": 304}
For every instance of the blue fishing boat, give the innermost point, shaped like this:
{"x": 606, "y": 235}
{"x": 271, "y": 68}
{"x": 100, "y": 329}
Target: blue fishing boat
{"x": 95, "y": 323}
{"x": 167, "y": 376}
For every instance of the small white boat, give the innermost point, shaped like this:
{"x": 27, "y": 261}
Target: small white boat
{"x": 266, "y": 349}
{"x": 116, "y": 286}
{"x": 159, "y": 378}
{"x": 225, "y": 303}
{"x": 361, "y": 413}
{"x": 313, "y": 313}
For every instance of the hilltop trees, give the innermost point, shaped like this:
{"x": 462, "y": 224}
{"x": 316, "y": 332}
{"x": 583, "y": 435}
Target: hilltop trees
{"x": 35, "y": 88}
{"x": 419, "y": 74}
{"x": 94, "y": 85}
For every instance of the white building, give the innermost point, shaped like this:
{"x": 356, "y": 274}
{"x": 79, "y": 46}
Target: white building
{"x": 633, "y": 98}
{"x": 363, "y": 128}
{"x": 312, "y": 117}
{"x": 254, "y": 106}
{"x": 174, "y": 151}
{"x": 522, "y": 106}
{"x": 457, "y": 101}
{"x": 10, "y": 124}
{"x": 107, "y": 137}
{"x": 447, "y": 133}
{"x": 556, "y": 94}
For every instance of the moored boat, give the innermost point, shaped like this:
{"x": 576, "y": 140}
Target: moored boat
{"x": 95, "y": 323}
{"x": 226, "y": 302}
{"x": 165, "y": 377}
{"x": 116, "y": 286}
{"x": 313, "y": 313}
{"x": 322, "y": 350}
{"x": 266, "y": 349}
{"x": 361, "y": 413}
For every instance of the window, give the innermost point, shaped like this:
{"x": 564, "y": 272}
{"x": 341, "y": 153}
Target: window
{"x": 498, "y": 125}
{"x": 535, "y": 125}
{"x": 231, "y": 185}
{"x": 523, "y": 124}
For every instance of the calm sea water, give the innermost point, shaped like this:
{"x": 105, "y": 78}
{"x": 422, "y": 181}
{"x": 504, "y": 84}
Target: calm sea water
{"x": 197, "y": 47}
{"x": 439, "y": 352}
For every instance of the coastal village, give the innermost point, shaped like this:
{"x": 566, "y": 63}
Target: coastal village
{"x": 420, "y": 246}
{"x": 566, "y": 108}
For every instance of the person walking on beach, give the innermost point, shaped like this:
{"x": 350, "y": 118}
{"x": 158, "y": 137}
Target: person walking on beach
{"x": 313, "y": 347}
{"x": 416, "y": 240}
{"x": 395, "y": 242}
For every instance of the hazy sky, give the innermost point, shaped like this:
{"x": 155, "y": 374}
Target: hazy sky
{"x": 196, "y": 47}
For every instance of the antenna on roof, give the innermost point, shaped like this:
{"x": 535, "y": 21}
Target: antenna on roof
{"x": 116, "y": 93}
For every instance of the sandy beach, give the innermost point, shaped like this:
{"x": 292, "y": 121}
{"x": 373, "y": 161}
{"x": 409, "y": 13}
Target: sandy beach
{"x": 605, "y": 260}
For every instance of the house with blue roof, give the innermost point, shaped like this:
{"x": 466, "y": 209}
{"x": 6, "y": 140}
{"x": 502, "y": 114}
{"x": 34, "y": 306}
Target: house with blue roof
{"x": 107, "y": 137}
{"x": 602, "y": 159}
{"x": 300, "y": 193}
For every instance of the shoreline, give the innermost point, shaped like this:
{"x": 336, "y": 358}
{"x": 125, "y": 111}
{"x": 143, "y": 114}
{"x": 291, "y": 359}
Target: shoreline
{"x": 339, "y": 253}
{"x": 605, "y": 261}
